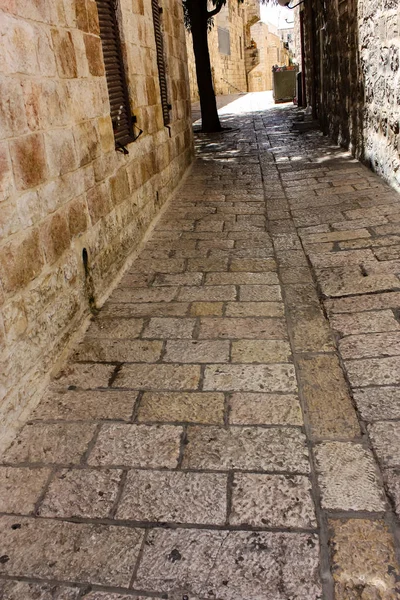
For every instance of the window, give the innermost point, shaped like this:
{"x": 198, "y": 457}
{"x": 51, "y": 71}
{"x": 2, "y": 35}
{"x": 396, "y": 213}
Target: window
{"x": 121, "y": 115}
{"x": 162, "y": 72}
{"x": 224, "y": 41}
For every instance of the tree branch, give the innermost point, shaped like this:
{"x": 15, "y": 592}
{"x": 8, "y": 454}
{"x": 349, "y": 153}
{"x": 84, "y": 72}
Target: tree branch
{"x": 217, "y": 9}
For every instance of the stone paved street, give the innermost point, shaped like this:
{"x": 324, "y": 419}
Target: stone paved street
{"x": 228, "y": 428}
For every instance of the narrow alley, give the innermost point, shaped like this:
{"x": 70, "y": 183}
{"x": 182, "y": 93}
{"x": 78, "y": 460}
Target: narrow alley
{"x": 228, "y": 428}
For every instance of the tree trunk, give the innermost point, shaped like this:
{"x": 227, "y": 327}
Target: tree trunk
{"x": 197, "y": 10}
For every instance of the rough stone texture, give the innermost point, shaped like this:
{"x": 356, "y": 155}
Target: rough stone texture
{"x": 231, "y": 565}
{"x": 392, "y": 478}
{"x": 385, "y": 437}
{"x": 174, "y": 497}
{"x": 118, "y": 351}
{"x": 260, "y": 328}
{"x": 348, "y": 478}
{"x": 205, "y": 407}
{"x": 81, "y": 493}
{"x": 377, "y": 403}
{"x": 264, "y": 409}
{"x": 374, "y": 371}
{"x": 247, "y": 448}
{"x": 364, "y": 322}
{"x": 250, "y": 378}
{"x": 364, "y": 561}
{"x": 197, "y": 352}
{"x": 14, "y": 590}
{"x": 63, "y": 186}
{"x": 329, "y": 405}
{"x": 260, "y": 351}
{"x": 137, "y": 446}
{"x": 20, "y": 488}
{"x": 47, "y": 443}
{"x": 152, "y": 377}
{"x": 272, "y": 501}
{"x": 45, "y": 549}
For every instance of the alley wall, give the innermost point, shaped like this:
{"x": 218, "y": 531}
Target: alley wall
{"x": 67, "y": 196}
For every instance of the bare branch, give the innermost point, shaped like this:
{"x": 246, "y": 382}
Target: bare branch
{"x": 217, "y": 9}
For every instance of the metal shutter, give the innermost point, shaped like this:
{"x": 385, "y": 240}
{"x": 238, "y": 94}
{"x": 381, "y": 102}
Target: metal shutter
{"x": 115, "y": 73}
{"x": 160, "y": 61}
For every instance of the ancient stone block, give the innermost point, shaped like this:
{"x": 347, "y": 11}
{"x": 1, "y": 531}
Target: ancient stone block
{"x": 65, "y": 53}
{"x": 20, "y": 261}
{"x": 264, "y": 409}
{"x": 20, "y": 488}
{"x": 196, "y": 407}
{"x": 29, "y": 161}
{"x": 94, "y": 54}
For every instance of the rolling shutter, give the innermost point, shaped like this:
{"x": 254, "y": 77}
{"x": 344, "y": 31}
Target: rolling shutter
{"x": 161, "y": 62}
{"x": 115, "y": 73}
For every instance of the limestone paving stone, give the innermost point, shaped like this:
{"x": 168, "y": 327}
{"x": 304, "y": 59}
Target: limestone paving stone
{"x": 85, "y": 406}
{"x": 254, "y": 309}
{"x": 239, "y": 278}
{"x": 272, "y": 501}
{"x": 115, "y": 328}
{"x": 148, "y": 446}
{"x": 20, "y": 488}
{"x": 195, "y": 351}
{"x": 81, "y": 493}
{"x": 55, "y": 550}
{"x": 260, "y": 351}
{"x": 132, "y": 310}
{"x": 350, "y": 282}
{"x": 215, "y": 293}
{"x": 166, "y": 328}
{"x": 370, "y": 345}
{"x": 118, "y": 351}
{"x": 348, "y": 478}
{"x": 231, "y": 565}
{"x": 165, "y": 496}
{"x": 300, "y": 293}
{"x": 174, "y": 279}
{"x": 363, "y": 560}
{"x": 16, "y": 590}
{"x": 260, "y": 293}
{"x": 197, "y": 407}
{"x": 158, "y": 377}
{"x": 250, "y": 328}
{"x": 374, "y": 371}
{"x": 162, "y": 294}
{"x": 392, "y": 478}
{"x": 250, "y": 378}
{"x": 207, "y": 264}
{"x": 364, "y": 303}
{"x": 329, "y": 406}
{"x": 385, "y": 438}
{"x": 84, "y": 376}
{"x": 253, "y": 265}
{"x": 63, "y": 443}
{"x": 246, "y": 448}
{"x": 311, "y": 332}
{"x": 364, "y": 322}
{"x": 264, "y": 409}
{"x": 378, "y": 403}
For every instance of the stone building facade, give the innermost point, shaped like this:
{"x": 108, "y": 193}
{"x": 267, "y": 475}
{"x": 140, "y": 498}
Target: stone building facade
{"x": 242, "y": 50}
{"x": 72, "y": 208}
{"x": 352, "y": 50}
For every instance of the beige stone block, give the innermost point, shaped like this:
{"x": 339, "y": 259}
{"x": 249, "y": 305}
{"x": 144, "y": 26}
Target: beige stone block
{"x": 260, "y": 351}
{"x": 363, "y": 557}
{"x": 158, "y": 377}
{"x": 87, "y": 143}
{"x": 20, "y": 261}
{"x": 364, "y": 322}
{"x": 197, "y": 351}
{"x": 374, "y": 371}
{"x": 215, "y": 293}
{"x": 55, "y": 237}
{"x": 378, "y": 403}
{"x": 13, "y": 590}
{"x": 191, "y": 407}
{"x": 64, "y": 50}
{"x": 264, "y": 409}
{"x": 245, "y": 328}
{"x": 20, "y": 489}
{"x": 13, "y": 119}
{"x": 115, "y": 328}
{"x": 99, "y": 202}
{"x": 239, "y": 278}
{"x": 94, "y": 54}
{"x": 29, "y": 161}
{"x": 106, "y": 133}
{"x": 84, "y": 376}
{"x": 95, "y": 554}
{"x": 60, "y": 152}
{"x": 106, "y": 350}
{"x": 250, "y": 378}
{"x": 329, "y": 406}
{"x": 157, "y": 496}
{"x": 311, "y": 331}
{"x": 260, "y": 293}
{"x": 148, "y": 446}
{"x": 255, "y": 309}
{"x": 205, "y": 309}
{"x": 19, "y": 46}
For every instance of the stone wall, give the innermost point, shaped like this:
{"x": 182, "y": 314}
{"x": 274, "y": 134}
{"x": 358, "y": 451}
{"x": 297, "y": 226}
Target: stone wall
{"x": 271, "y": 52}
{"x": 65, "y": 191}
{"x": 353, "y": 77}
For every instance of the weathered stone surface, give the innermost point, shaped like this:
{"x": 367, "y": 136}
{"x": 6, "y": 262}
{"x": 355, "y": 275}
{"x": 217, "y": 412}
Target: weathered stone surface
{"x": 252, "y": 327}
{"x": 254, "y": 309}
{"x": 348, "y": 478}
{"x": 162, "y": 294}
{"x": 378, "y": 403}
{"x": 392, "y": 478}
{"x": 385, "y": 437}
{"x": 15, "y": 590}
{"x": 260, "y": 351}
{"x": 247, "y": 448}
{"x": 47, "y": 549}
{"x": 206, "y": 309}
{"x": 311, "y": 332}
{"x": 238, "y": 278}
{"x": 374, "y": 344}
{"x": 196, "y": 407}
{"x": 86, "y": 406}
{"x": 364, "y": 561}
{"x": 364, "y": 303}
{"x": 250, "y": 378}
{"x": 264, "y": 409}
{"x": 253, "y": 265}
{"x": 50, "y": 443}
{"x": 260, "y": 293}
{"x": 169, "y": 328}
{"x": 20, "y": 488}
{"x": 215, "y": 293}
{"x": 115, "y": 328}
{"x": 364, "y": 322}
{"x": 158, "y": 377}
{"x": 350, "y": 282}
{"x": 209, "y": 565}
{"x": 132, "y": 310}
{"x": 81, "y": 493}
{"x": 374, "y": 371}
{"x": 174, "y": 497}
{"x": 155, "y": 446}
{"x": 272, "y": 501}
{"x": 84, "y": 376}
{"x": 330, "y": 410}
{"x": 118, "y": 351}
{"x": 197, "y": 351}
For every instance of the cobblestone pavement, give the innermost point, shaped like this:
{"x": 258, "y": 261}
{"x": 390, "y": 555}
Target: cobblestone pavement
{"x": 229, "y": 426}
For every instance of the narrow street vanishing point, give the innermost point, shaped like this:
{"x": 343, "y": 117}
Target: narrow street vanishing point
{"x": 228, "y": 427}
